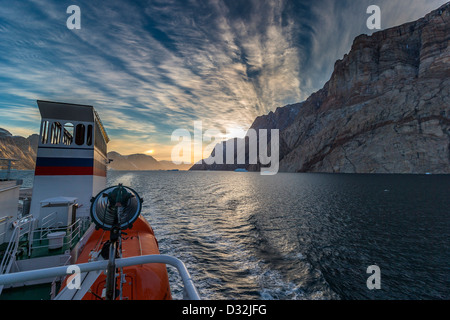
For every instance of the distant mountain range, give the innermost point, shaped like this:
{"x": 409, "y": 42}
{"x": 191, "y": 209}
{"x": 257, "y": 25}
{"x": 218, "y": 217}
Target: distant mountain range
{"x": 141, "y": 162}
{"x": 385, "y": 109}
{"x": 25, "y": 149}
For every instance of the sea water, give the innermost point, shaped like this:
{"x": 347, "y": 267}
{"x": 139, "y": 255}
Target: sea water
{"x": 299, "y": 236}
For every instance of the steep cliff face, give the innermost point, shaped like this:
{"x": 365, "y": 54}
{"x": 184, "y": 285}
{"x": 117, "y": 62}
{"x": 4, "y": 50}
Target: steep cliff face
{"x": 280, "y": 119}
{"x": 20, "y": 148}
{"x": 385, "y": 109}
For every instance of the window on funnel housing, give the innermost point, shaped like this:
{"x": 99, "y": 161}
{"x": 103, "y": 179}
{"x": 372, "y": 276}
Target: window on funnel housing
{"x": 89, "y": 135}
{"x": 44, "y": 132}
{"x": 55, "y": 133}
{"x": 68, "y": 134}
{"x": 79, "y": 135}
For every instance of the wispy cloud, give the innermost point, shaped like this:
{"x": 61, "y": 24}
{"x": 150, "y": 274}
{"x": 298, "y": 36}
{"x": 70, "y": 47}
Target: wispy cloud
{"x": 153, "y": 66}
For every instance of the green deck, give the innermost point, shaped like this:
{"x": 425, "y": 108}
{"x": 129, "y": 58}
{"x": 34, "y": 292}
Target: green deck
{"x": 35, "y": 292}
{"x": 39, "y": 249}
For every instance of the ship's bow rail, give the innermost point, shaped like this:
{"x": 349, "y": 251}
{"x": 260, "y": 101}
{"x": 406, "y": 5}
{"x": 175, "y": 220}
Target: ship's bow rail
{"x": 190, "y": 291}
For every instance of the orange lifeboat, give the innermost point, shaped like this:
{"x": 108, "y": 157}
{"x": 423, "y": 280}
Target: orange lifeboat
{"x": 137, "y": 282}
{"x": 142, "y": 282}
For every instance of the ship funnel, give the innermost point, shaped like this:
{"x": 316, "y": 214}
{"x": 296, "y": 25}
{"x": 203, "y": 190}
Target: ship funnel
{"x": 71, "y": 158}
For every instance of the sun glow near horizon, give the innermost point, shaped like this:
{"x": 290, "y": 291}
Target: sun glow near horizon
{"x": 162, "y": 150}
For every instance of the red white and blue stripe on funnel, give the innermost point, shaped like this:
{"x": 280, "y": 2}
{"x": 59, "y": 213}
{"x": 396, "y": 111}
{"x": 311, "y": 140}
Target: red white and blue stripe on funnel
{"x": 69, "y": 167}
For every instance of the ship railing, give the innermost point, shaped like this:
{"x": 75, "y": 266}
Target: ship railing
{"x": 10, "y": 252}
{"x": 48, "y": 222}
{"x": 189, "y": 293}
{"x": 72, "y": 232}
{"x": 23, "y": 227}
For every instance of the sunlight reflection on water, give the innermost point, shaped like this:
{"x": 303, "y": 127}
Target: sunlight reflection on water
{"x": 300, "y": 236}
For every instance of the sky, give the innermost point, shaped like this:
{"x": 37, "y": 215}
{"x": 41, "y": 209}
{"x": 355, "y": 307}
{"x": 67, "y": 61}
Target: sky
{"x": 150, "y": 67}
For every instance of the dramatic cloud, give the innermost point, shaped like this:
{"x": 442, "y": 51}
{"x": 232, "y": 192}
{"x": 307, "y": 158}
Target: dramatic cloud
{"x": 150, "y": 67}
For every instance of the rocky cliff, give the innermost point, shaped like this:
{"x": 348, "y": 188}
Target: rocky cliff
{"x": 385, "y": 108}
{"x": 20, "y": 148}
